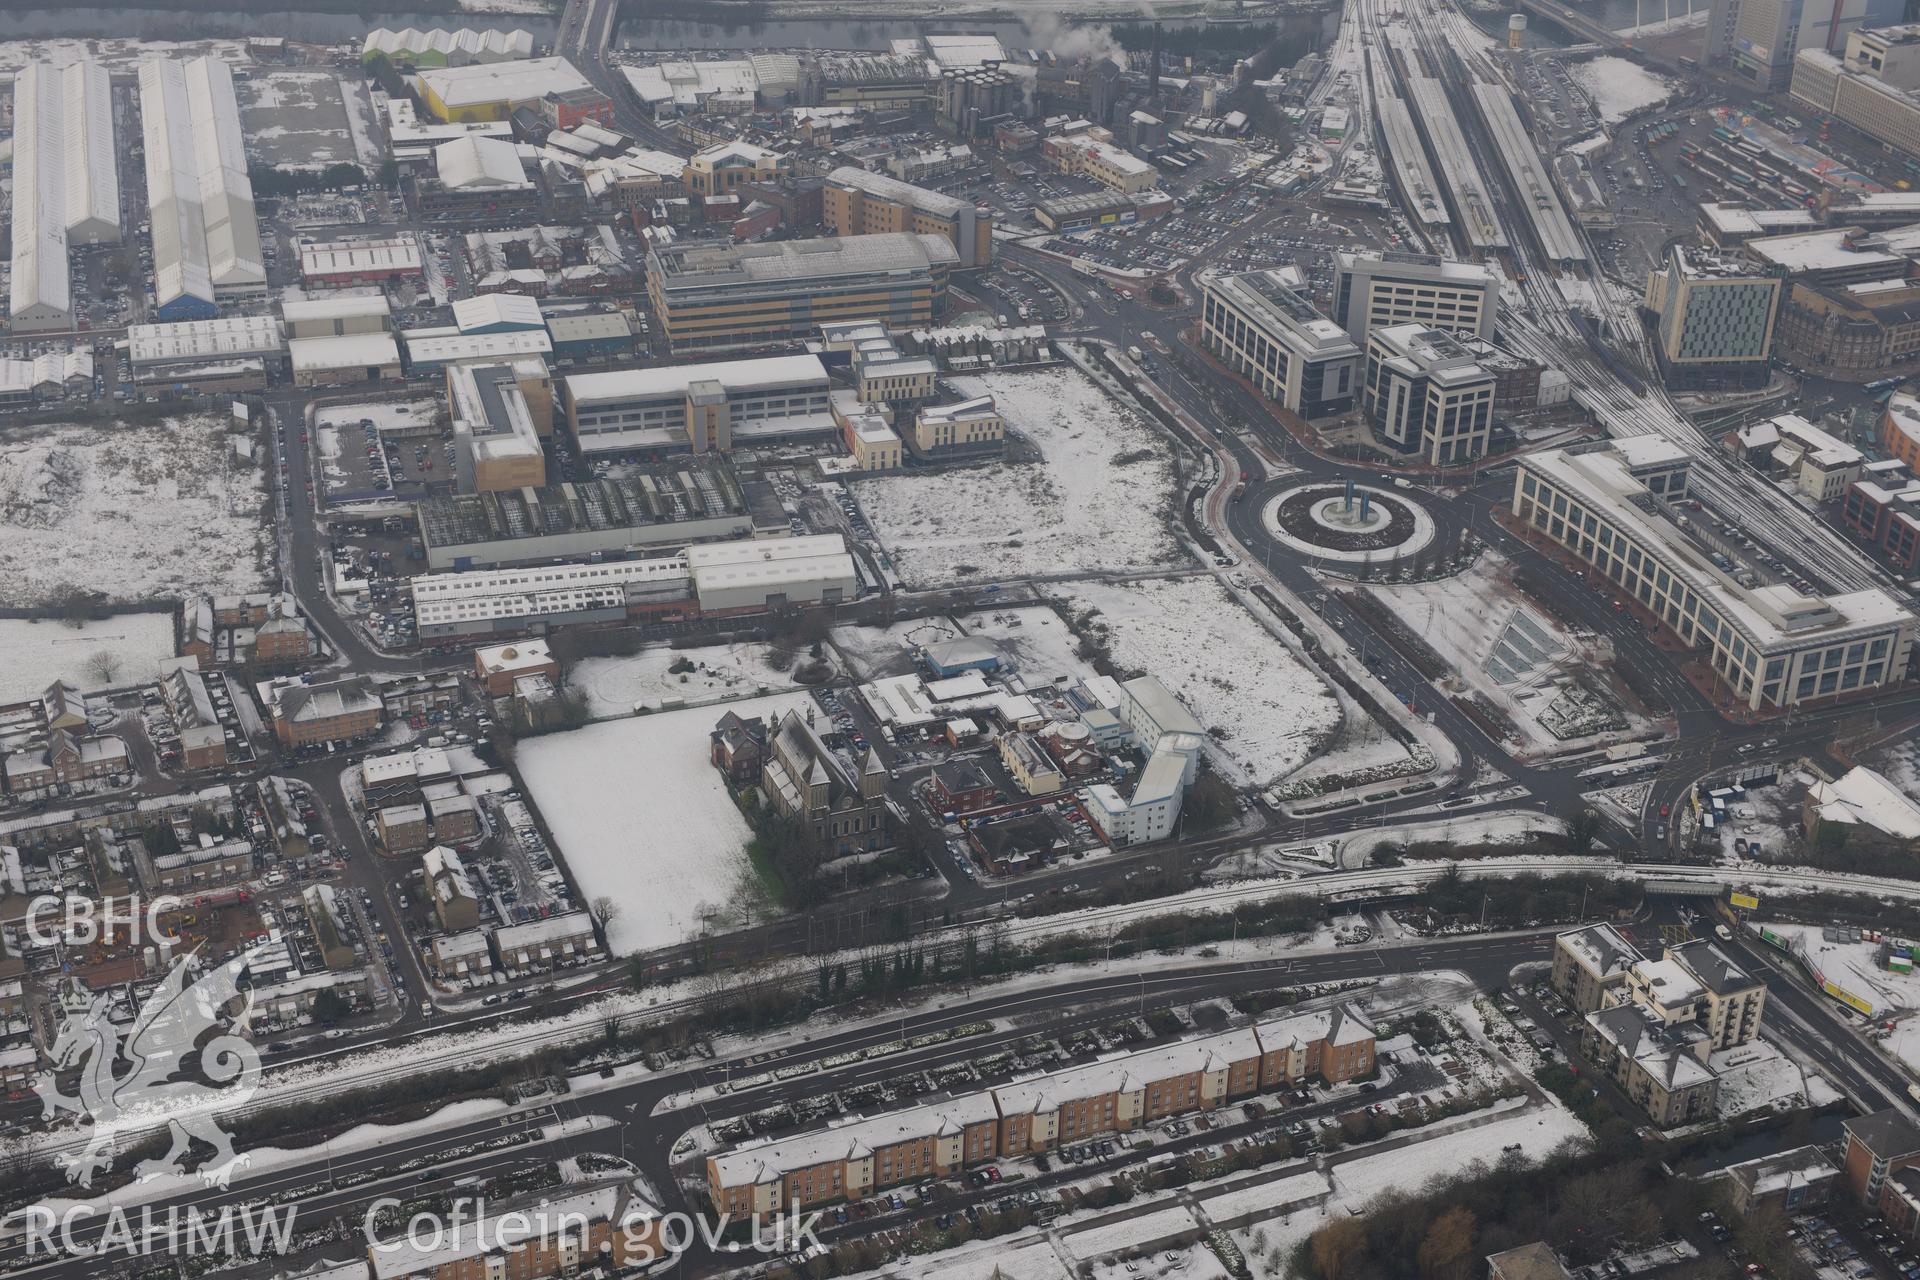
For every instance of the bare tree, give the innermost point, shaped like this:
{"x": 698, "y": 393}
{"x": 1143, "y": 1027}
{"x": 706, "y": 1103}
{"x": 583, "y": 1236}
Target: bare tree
{"x": 606, "y": 909}
{"x": 102, "y": 668}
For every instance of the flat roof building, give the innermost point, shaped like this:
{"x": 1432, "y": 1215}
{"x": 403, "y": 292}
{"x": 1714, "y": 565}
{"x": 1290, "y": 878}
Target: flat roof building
{"x": 718, "y": 298}
{"x": 206, "y": 237}
{"x": 1427, "y": 394}
{"x": 483, "y": 602}
{"x": 693, "y": 500}
{"x": 430, "y": 349}
{"x": 857, "y": 202}
{"x": 66, "y": 185}
{"x": 334, "y": 314}
{"x": 156, "y": 346}
{"x": 360, "y": 261}
{"x": 772, "y": 573}
{"x": 496, "y": 444}
{"x": 1264, "y": 330}
{"x": 1773, "y": 646}
{"x": 1715, "y": 319}
{"x": 700, "y": 407}
{"x": 491, "y": 91}
{"x": 1399, "y": 288}
{"x": 344, "y": 359}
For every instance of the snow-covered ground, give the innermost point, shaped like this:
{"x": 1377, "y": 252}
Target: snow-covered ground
{"x": 1513, "y": 653}
{"x": 1038, "y": 643}
{"x": 1619, "y": 88}
{"x": 1855, "y": 968}
{"x": 38, "y": 653}
{"x": 386, "y": 415}
{"x": 871, "y": 652}
{"x": 1901, "y": 765}
{"x": 1757, "y": 1076}
{"x": 1513, "y": 827}
{"x": 642, "y": 816}
{"x": 1267, "y": 710}
{"x": 132, "y": 511}
{"x": 622, "y": 686}
{"x": 1100, "y": 499}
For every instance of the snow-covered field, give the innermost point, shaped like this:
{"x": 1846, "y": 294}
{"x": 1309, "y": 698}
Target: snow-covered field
{"x": 1037, "y": 641}
{"x": 1511, "y": 652}
{"x": 38, "y": 653}
{"x": 1619, "y": 88}
{"x": 1100, "y": 499}
{"x": 642, "y": 816}
{"x": 1268, "y": 711}
{"x": 132, "y": 511}
{"x": 871, "y": 652}
{"x": 1901, "y": 765}
{"x": 621, "y": 686}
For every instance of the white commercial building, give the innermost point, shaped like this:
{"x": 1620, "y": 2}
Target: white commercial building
{"x": 479, "y": 164}
{"x": 1395, "y": 288}
{"x": 206, "y": 239}
{"x": 156, "y": 346}
{"x": 1772, "y": 646}
{"x": 772, "y": 573}
{"x": 485, "y": 601}
{"x": 698, "y": 406}
{"x": 66, "y": 188}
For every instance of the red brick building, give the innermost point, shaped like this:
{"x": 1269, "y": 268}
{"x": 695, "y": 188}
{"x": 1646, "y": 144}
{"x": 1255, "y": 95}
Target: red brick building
{"x": 1878, "y": 1147}
{"x": 961, "y": 786}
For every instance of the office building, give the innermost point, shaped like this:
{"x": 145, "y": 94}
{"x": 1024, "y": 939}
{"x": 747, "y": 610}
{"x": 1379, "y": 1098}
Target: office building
{"x": 1271, "y": 335}
{"x": 1714, "y": 319}
{"x": 66, "y": 185}
{"x": 1869, "y": 83}
{"x": 720, "y": 298}
{"x": 494, "y": 90}
{"x": 701, "y": 407}
{"x": 496, "y": 444}
{"x": 855, "y": 202}
{"x": 1877, "y": 1147}
{"x": 1771, "y": 645}
{"x": 1768, "y": 35}
{"x": 1370, "y": 289}
{"x": 1854, "y": 330}
{"x": 1427, "y": 395}
{"x": 722, "y": 169}
{"x": 206, "y": 238}
{"x": 966, "y": 429}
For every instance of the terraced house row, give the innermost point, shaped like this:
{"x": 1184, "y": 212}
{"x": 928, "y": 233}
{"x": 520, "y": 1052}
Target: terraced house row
{"x": 858, "y": 1157}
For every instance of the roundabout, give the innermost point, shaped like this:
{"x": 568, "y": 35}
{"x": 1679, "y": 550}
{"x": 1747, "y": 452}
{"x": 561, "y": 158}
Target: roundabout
{"x": 1350, "y": 527}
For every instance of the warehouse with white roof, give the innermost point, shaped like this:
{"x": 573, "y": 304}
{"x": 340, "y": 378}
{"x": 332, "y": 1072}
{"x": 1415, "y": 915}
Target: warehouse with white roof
{"x": 772, "y": 573}
{"x": 66, "y": 189}
{"x": 206, "y": 238}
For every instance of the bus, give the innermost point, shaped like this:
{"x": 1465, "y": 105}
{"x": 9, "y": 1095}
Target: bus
{"x": 1740, "y": 177}
{"x": 1680, "y": 181}
{"x": 1885, "y": 384}
{"x": 1789, "y": 122}
{"x": 1723, "y": 133}
{"x": 1753, "y": 149}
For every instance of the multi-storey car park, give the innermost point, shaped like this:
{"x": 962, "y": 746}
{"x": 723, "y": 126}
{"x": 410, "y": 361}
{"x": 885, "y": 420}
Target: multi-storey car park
{"x": 1615, "y": 505}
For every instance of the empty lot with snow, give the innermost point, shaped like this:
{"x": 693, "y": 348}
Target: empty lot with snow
{"x": 643, "y": 817}
{"x": 129, "y": 511}
{"x": 38, "y": 653}
{"x": 1267, "y": 712}
{"x": 622, "y": 686}
{"x": 1100, "y": 498}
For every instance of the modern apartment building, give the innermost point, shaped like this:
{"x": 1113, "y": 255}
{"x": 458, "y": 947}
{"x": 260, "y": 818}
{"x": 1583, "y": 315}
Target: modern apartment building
{"x": 854, "y": 1159}
{"x": 1294, "y": 356}
{"x": 1661, "y": 1067}
{"x": 1715, "y": 319}
{"x": 1878, "y": 1146}
{"x": 856, "y": 202}
{"x": 729, "y": 297}
{"x": 1699, "y": 983}
{"x": 1773, "y": 646}
{"x": 1427, "y": 395}
{"x": 1590, "y": 966}
{"x": 1372, "y": 289}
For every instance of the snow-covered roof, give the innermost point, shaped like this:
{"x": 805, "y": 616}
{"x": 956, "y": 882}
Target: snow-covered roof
{"x": 565, "y": 927}
{"x": 521, "y": 80}
{"x": 1601, "y": 948}
{"x": 206, "y": 237}
{"x": 475, "y": 163}
{"x": 65, "y": 183}
{"x": 1862, "y": 797}
{"x": 562, "y": 1218}
{"x": 456, "y": 46}
{"x": 521, "y": 655}
{"x": 688, "y": 84}
{"x": 1669, "y": 982}
{"x": 343, "y": 351}
{"x": 497, "y": 310}
{"x": 333, "y": 306}
{"x": 753, "y": 563}
{"x": 736, "y": 376}
{"x": 201, "y": 339}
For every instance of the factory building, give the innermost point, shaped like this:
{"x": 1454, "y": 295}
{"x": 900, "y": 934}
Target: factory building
{"x": 719, "y": 298}
{"x": 855, "y": 202}
{"x": 691, "y": 501}
{"x": 206, "y": 238}
{"x": 1427, "y": 395}
{"x": 1714, "y": 319}
{"x": 1266, "y": 332}
{"x": 701, "y": 407}
{"x": 344, "y": 360}
{"x": 1771, "y": 645}
{"x": 589, "y": 335}
{"x": 66, "y": 185}
{"x": 1370, "y": 289}
{"x": 772, "y": 573}
{"x": 496, "y": 444}
{"x": 494, "y": 91}
{"x": 158, "y": 352}
{"x": 414, "y": 48}
{"x": 332, "y": 315}
{"x": 970, "y": 100}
